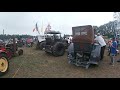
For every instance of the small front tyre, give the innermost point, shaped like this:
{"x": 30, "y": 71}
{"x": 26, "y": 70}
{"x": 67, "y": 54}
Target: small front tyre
{"x": 42, "y": 45}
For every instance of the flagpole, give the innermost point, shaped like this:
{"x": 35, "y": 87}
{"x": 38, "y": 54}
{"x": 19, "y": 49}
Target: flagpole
{"x": 3, "y": 35}
{"x": 42, "y": 29}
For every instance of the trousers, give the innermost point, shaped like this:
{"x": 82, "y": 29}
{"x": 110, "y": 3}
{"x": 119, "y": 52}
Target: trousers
{"x": 102, "y": 52}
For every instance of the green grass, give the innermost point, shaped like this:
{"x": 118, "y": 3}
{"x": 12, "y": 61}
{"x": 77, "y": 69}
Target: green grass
{"x": 38, "y": 64}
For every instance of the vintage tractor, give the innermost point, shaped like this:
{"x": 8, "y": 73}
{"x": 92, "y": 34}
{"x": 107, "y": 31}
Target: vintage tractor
{"x": 6, "y": 53}
{"x": 83, "y": 51}
{"x": 4, "y": 63}
{"x": 54, "y": 43}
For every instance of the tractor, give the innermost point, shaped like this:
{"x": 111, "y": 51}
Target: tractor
{"x": 6, "y": 53}
{"x": 54, "y": 43}
{"x": 83, "y": 51}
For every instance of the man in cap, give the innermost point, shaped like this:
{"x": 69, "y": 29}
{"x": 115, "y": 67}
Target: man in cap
{"x": 102, "y": 42}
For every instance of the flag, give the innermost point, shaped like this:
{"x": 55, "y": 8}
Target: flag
{"x": 33, "y": 29}
{"x": 37, "y": 28}
{"x": 49, "y": 27}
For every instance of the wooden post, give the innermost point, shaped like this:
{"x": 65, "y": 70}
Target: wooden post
{"x": 14, "y": 45}
{"x": 3, "y": 31}
{"x": 3, "y": 35}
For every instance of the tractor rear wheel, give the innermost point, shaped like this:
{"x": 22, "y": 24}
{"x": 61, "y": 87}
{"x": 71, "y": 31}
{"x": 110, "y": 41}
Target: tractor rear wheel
{"x": 58, "y": 49}
{"x": 4, "y": 64}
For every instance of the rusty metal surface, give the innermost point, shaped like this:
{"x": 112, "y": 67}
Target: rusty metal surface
{"x": 83, "y": 34}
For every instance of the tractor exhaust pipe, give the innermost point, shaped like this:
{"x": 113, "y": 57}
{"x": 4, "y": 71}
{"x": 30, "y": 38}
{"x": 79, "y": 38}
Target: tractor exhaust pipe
{"x": 14, "y": 45}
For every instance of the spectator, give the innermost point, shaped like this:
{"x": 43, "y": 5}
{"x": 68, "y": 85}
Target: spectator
{"x": 117, "y": 42}
{"x": 31, "y": 41}
{"x": 101, "y": 41}
{"x": 109, "y": 46}
{"x": 70, "y": 39}
{"x": 113, "y": 51}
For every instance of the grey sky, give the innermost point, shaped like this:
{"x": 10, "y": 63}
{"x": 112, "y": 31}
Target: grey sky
{"x": 24, "y": 22}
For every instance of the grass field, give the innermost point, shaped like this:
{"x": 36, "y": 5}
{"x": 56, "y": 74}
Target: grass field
{"x": 38, "y": 64}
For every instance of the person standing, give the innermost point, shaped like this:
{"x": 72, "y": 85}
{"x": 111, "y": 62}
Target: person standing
{"x": 102, "y": 42}
{"x": 70, "y": 39}
{"x": 109, "y": 46}
{"x": 117, "y": 42}
{"x": 113, "y": 51}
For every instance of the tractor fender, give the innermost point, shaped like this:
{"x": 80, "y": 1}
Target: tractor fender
{"x": 41, "y": 41}
{"x": 96, "y": 51}
{"x": 2, "y": 52}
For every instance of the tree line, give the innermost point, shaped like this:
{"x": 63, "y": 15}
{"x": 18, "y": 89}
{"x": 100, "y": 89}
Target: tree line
{"x": 107, "y": 29}
{"x": 16, "y": 36}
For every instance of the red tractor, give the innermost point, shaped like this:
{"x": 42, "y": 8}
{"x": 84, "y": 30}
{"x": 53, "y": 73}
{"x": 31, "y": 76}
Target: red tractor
{"x": 6, "y": 53}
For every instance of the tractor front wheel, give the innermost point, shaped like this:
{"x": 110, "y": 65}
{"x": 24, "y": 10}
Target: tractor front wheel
{"x": 4, "y": 64}
{"x": 42, "y": 45}
{"x": 58, "y": 49}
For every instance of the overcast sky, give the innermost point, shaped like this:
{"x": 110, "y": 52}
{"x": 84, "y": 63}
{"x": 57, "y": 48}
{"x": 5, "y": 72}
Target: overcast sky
{"x": 24, "y": 22}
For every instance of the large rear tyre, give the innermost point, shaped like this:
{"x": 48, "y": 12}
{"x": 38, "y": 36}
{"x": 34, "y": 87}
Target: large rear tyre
{"x": 4, "y": 64}
{"x": 58, "y": 49}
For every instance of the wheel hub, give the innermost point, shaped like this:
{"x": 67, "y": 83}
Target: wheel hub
{"x": 3, "y": 64}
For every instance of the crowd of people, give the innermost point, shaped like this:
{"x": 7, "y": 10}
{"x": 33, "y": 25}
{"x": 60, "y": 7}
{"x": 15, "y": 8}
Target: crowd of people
{"x": 28, "y": 42}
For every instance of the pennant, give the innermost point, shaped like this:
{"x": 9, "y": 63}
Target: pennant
{"x": 48, "y": 28}
{"x": 33, "y": 29}
{"x": 37, "y": 28}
